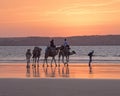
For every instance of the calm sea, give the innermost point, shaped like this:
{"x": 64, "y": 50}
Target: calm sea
{"x": 102, "y": 53}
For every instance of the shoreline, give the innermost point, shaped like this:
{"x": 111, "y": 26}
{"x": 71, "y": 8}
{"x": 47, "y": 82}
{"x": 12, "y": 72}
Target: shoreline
{"x": 70, "y": 64}
{"x": 118, "y": 61}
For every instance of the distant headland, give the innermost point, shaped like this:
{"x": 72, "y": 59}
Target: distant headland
{"x": 94, "y": 40}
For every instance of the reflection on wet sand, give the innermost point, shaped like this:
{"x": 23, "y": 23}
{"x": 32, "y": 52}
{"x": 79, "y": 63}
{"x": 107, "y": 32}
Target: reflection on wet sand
{"x": 36, "y": 72}
{"x": 72, "y": 71}
{"x": 56, "y": 71}
{"x": 50, "y": 71}
{"x": 28, "y": 71}
{"x": 90, "y": 71}
{"x": 65, "y": 71}
{"x": 47, "y": 71}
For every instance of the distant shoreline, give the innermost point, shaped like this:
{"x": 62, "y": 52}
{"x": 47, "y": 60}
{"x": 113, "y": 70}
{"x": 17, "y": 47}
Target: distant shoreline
{"x": 95, "y": 40}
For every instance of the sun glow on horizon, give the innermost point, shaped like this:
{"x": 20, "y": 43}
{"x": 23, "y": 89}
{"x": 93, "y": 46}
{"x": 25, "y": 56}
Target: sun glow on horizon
{"x": 59, "y": 17}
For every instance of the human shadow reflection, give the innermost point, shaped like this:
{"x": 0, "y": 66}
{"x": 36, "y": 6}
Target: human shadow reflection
{"x": 53, "y": 72}
{"x": 90, "y": 71}
{"x": 49, "y": 71}
{"x": 36, "y": 72}
{"x": 65, "y": 71}
{"x": 56, "y": 71}
{"x": 28, "y": 71}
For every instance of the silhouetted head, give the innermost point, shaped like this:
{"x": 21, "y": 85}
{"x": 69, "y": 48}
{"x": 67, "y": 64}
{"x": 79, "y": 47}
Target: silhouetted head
{"x": 65, "y": 39}
{"x": 28, "y": 49}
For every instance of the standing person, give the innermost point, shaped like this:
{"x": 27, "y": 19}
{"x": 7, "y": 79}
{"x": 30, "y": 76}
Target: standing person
{"x": 28, "y": 56}
{"x": 90, "y": 54}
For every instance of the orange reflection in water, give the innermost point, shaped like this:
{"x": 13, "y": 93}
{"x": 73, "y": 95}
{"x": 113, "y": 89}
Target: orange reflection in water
{"x": 80, "y": 71}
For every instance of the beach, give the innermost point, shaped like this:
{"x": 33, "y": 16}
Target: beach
{"x": 59, "y": 87}
{"x": 85, "y": 34}
{"x": 74, "y": 80}
{"x": 73, "y": 71}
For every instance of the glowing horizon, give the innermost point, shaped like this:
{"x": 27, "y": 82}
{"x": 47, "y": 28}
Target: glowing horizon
{"x": 59, "y": 18}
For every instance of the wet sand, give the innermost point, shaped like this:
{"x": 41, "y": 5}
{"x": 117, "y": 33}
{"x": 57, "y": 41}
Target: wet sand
{"x": 59, "y": 87}
{"x": 78, "y": 71}
{"x": 75, "y": 80}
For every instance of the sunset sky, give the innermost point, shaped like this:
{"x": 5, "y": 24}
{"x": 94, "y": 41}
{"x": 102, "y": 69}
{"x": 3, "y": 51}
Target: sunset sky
{"x": 59, "y": 17}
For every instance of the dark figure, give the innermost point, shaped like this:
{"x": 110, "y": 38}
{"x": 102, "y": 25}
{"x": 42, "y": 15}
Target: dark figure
{"x": 52, "y": 43}
{"x": 28, "y": 56}
{"x": 36, "y": 55}
{"x": 65, "y": 52}
{"x": 90, "y": 59}
{"x": 65, "y": 42}
{"x": 50, "y": 52}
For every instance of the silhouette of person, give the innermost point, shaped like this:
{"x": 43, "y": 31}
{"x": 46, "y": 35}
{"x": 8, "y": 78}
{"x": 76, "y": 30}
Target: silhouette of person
{"x": 90, "y": 54}
{"x": 28, "y": 56}
{"x": 66, "y": 45}
{"x": 65, "y": 42}
{"x": 52, "y": 43}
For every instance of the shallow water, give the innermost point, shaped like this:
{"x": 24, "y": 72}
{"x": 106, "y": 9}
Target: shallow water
{"x": 102, "y": 53}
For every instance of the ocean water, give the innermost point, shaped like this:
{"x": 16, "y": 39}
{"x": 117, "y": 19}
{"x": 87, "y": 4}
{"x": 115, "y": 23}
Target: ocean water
{"x": 110, "y": 54}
